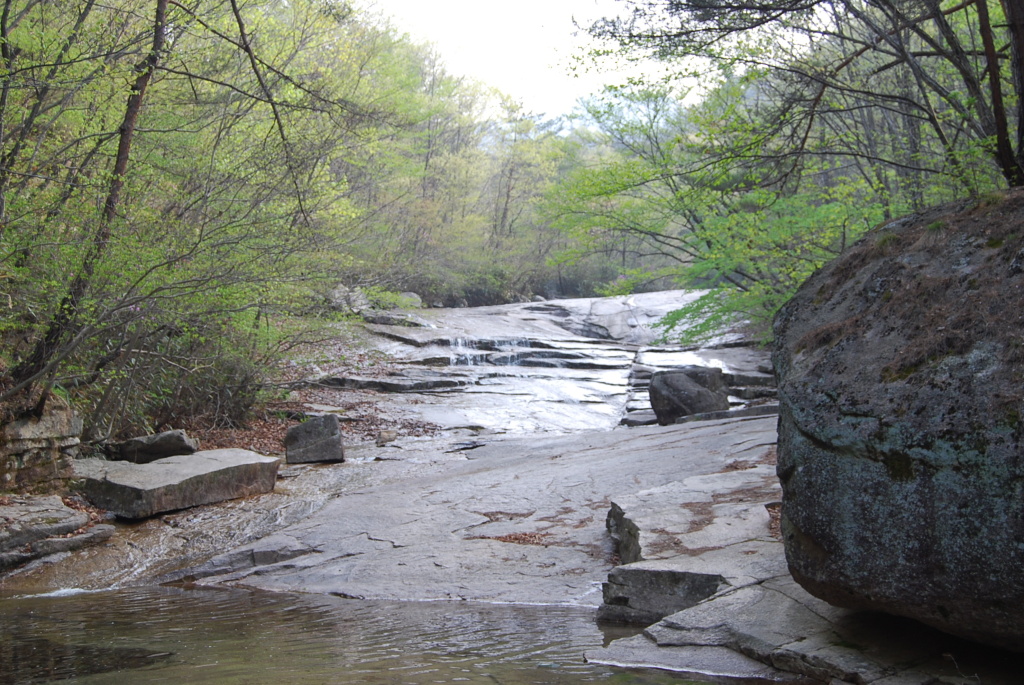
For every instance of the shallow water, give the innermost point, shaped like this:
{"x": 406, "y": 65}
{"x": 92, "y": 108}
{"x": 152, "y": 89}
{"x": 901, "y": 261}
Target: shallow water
{"x": 202, "y": 635}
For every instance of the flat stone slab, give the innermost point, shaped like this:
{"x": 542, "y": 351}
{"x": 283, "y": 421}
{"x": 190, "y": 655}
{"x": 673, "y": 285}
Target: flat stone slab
{"x": 26, "y": 519}
{"x": 141, "y": 490}
{"x": 777, "y": 632}
{"x": 779, "y": 624}
{"x": 697, "y": 514}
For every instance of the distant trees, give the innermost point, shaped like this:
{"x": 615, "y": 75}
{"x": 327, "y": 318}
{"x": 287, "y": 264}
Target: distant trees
{"x": 165, "y": 184}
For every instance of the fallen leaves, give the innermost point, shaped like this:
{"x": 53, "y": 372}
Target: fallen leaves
{"x": 518, "y": 538}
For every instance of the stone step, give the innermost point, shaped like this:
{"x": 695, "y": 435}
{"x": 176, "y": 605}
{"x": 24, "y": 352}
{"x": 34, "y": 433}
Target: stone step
{"x": 776, "y": 623}
{"x": 645, "y": 592}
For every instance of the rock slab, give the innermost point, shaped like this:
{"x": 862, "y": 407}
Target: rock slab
{"x": 36, "y": 454}
{"x": 317, "y": 439}
{"x": 901, "y": 435}
{"x": 138, "y": 491}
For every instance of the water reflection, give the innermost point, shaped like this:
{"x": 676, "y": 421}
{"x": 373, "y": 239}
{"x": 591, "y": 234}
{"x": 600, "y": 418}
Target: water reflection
{"x": 174, "y": 635}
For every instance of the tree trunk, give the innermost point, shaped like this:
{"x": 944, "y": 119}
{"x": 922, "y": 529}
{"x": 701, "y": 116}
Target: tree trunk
{"x": 1014, "y": 10}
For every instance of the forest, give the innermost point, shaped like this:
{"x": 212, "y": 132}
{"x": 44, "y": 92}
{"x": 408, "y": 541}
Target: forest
{"x": 183, "y": 182}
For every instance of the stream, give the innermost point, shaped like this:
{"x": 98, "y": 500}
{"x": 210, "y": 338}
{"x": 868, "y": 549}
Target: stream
{"x": 483, "y": 376}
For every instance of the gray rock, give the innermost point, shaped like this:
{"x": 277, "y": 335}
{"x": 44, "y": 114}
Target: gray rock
{"x": 36, "y": 454}
{"x": 639, "y": 418}
{"x": 515, "y": 520}
{"x": 318, "y": 439}
{"x": 141, "y": 490}
{"x": 642, "y": 594}
{"x": 385, "y": 437}
{"x": 27, "y": 519}
{"x": 410, "y": 300}
{"x": 900, "y": 429}
{"x": 348, "y": 300}
{"x": 710, "y": 664}
{"x": 647, "y": 591}
{"x": 681, "y": 392}
{"x": 383, "y": 318}
{"x": 147, "y": 448}
{"x": 394, "y": 383}
{"x": 751, "y": 411}
{"x": 35, "y": 527}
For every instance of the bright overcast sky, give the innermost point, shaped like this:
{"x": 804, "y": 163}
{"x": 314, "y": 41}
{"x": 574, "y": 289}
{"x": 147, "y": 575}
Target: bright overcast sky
{"x": 522, "y": 48}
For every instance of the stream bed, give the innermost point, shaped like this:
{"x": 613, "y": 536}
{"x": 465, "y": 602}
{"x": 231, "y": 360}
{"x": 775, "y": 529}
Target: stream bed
{"x": 519, "y": 372}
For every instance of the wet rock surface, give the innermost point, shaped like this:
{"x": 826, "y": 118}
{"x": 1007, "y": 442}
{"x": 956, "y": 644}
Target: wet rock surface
{"x": 514, "y": 520}
{"x": 900, "y": 432}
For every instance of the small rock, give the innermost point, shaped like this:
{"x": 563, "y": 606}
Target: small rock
{"x": 147, "y": 448}
{"x": 317, "y": 439}
{"x": 384, "y": 437}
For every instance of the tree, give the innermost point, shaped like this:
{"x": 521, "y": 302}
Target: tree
{"x": 701, "y": 223}
{"x": 170, "y": 179}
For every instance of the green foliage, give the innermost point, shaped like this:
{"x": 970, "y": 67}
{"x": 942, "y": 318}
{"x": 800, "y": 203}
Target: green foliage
{"x": 658, "y": 197}
{"x": 322, "y": 148}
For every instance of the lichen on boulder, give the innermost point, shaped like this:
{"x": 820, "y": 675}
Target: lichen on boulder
{"x": 901, "y": 387}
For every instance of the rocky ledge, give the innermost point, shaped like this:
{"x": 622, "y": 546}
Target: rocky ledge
{"x": 34, "y": 527}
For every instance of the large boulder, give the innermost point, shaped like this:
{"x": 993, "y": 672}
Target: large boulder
{"x": 676, "y": 393}
{"x": 901, "y": 380}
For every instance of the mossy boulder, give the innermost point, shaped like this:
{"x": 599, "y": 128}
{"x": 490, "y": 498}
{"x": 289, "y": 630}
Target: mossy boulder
{"x": 901, "y": 387}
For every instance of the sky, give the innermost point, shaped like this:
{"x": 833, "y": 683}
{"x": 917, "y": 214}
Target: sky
{"x": 523, "y": 48}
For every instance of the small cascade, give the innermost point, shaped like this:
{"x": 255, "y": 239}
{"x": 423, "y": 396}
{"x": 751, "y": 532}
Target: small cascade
{"x": 510, "y": 352}
{"x": 478, "y": 352}
{"x": 464, "y": 352}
